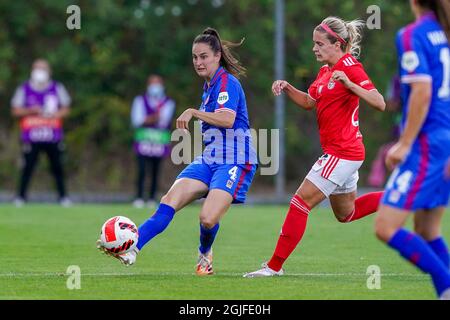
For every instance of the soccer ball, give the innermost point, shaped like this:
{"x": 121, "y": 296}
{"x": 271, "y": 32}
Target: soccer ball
{"x": 119, "y": 235}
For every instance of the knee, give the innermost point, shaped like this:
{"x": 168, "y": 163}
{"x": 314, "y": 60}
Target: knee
{"x": 169, "y": 200}
{"x": 207, "y": 221}
{"x": 383, "y": 231}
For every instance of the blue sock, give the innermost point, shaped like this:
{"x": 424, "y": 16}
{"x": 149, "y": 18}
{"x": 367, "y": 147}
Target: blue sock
{"x": 155, "y": 225}
{"x": 415, "y": 249}
{"x": 207, "y": 237}
{"x": 440, "y": 248}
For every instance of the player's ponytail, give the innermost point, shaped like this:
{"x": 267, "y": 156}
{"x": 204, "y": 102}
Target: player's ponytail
{"x": 348, "y": 33}
{"x": 211, "y": 37}
{"x": 441, "y": 9}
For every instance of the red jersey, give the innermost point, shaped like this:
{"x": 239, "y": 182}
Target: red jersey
{"x": 337, "y": 109}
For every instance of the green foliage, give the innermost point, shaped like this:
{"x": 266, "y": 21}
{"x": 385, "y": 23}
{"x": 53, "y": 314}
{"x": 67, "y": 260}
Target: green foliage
{"x": 106, "y": 63}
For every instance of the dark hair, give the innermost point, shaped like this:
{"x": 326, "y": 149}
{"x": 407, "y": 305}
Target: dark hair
{"x": 441, "y": 9}
{"x": 211, "y": 37}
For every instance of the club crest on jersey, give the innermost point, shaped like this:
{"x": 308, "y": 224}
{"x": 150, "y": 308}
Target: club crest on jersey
{"x": 223, "y": 98}
{"x": 331, "y": 84}
{"x": 410, "y": 61}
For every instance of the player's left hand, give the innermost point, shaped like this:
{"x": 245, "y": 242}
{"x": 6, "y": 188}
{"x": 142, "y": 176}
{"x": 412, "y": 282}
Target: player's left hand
{"x": 342, "y": 77}
{"x": 183, "y": 119}
{"x": 397, "y": 154}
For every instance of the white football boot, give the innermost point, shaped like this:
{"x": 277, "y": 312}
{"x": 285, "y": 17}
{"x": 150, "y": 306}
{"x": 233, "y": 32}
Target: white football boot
{"x": 204, "y": 264}
{"x": 127, "y": 259}
{"x": 265, "y": 271}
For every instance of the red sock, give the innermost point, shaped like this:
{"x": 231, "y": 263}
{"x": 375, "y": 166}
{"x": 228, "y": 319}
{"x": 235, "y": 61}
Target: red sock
{"x": 291, "y": 233}
{"x": 365, "y": 205}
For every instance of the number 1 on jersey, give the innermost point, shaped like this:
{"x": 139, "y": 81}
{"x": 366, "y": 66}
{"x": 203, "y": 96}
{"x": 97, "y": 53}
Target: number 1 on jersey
{"x": 444, "y": 90}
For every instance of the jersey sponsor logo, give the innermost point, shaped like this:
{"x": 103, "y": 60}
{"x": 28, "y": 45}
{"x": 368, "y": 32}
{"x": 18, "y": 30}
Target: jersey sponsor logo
{"x": 223, "y": 98}
{"x": 331, "y": 84}
{"x": 410, "y": 61}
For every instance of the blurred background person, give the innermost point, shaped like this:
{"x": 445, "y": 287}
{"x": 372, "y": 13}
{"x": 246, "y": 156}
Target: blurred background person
{"x": 418, "y": 184}
{"x": 40, "y": 104}
{"x": 151, "y": 116}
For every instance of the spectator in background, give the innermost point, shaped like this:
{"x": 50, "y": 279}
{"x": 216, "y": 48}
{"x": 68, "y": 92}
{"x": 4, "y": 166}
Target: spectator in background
{"x": 377, "y": 175}
{"x": 40, "y": 104}
{"x": 151, "y": 117}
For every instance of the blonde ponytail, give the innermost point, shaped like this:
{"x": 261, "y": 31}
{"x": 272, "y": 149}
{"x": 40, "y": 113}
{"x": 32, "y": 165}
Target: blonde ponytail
{"x": 349, "y": 33}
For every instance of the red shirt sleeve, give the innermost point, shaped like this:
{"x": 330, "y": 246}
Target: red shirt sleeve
{"x": 358, "y": 76}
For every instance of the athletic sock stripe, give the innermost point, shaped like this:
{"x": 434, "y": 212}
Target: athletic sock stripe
{"x": 300, "y": 209}
{"x": 350, "y": 216}
{"x": 297, "y": 204}
{"x": 332, "y": 168}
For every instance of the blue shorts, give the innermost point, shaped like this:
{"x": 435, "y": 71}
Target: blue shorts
{"x": 232, "y": 178}
{"x": 420, "y": 182}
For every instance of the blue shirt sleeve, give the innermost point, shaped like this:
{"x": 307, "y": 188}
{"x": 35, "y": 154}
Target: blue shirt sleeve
{"x": 414, "y": 65}
{"x": 227, "y": 95}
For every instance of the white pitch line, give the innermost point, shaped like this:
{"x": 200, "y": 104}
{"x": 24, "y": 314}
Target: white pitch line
{"x": 19, "y": 275}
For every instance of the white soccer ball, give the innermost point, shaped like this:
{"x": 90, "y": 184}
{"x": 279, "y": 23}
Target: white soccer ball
{"x": 119, "y": 235}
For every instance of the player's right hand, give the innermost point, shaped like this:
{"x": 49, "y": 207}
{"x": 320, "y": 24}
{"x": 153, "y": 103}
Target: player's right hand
{"x": 278, "y": 86}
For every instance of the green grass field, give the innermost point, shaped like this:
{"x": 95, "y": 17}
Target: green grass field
{"x": 39, "y": 242}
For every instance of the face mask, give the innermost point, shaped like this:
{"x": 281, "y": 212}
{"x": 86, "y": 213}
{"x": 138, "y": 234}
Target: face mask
{"x": 40, "y": 76}
{"x": 155, "y": 90}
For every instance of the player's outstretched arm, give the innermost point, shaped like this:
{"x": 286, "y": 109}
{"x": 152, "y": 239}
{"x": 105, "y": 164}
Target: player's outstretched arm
{"x": 300, "y": 98}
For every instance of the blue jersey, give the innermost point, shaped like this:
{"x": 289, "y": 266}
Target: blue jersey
{"x": 419, "y": 182}
{"x": 424, "y": 55}
{"x": 232, "y": 146}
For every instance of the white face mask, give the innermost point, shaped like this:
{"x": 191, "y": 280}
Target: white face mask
{"x": 155, "y": 90}
{"x": 40, "y": 76}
